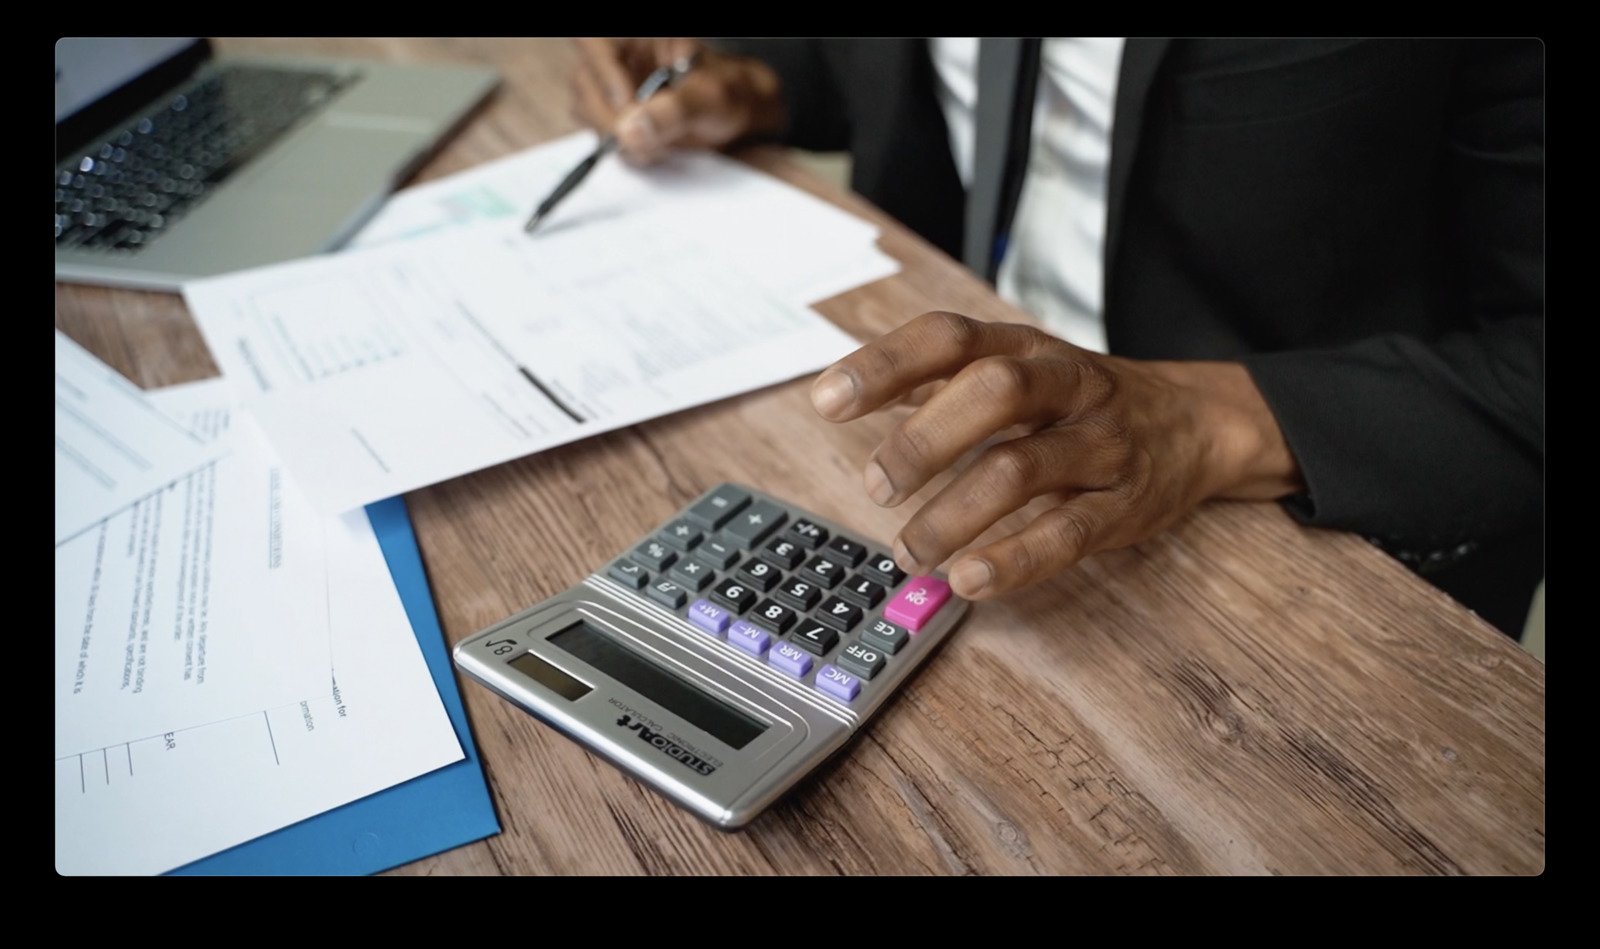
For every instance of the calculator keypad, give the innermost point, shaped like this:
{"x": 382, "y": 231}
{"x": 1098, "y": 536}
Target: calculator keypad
{"x": 783, "y": 553}
{"x": 773, "y": 616}
{"x": 790, "y": 659}
{"x": 630, "y": 575}
{"x": 655, "y": 555}
{"x": 838, "y": 683}
{"x": 718, "y": 554}
{"x": 885, "y": 635}
{"x": 815, "y": 637}
{"x": 692, "y": 574}
{"x": 838, "y": 614}
{"x": 862, "y": 592}
{"x": 734, "y": 593}
{"x": 917, "y": 602}
{"x": 718, "y": 508}
{"x": 861, "y": 659}
{"x": 882, "y": 568}
{"x": 752, "y": 525}
{"x": 777, "y": 586}
{"x": 823, "y": 571}
{"x": 798, "y": 593}
{"x": 808, "y": 534}
{"x": 709, "y": 617}
{"x": 846, "y": 551}
{"x": 759, "y": 574}
{"x": 682, "y": 535}
{"x": 749, "y": 638}
{"x": 668, "y": 594}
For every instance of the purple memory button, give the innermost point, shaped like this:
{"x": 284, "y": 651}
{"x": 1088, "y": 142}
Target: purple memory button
{"x": 709, "y": 617}
{"x": 790, "y": 658}
{"x": 752, "y": 639}
{"x": 838, "y": 683}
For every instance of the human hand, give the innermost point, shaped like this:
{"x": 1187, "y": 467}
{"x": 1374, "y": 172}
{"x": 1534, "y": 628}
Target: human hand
{"x": 1121, "y": 449}
{"x": 722, "y": 100}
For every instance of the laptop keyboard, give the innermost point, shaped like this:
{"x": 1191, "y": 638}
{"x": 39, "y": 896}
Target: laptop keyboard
{"x": 122, "y": 193}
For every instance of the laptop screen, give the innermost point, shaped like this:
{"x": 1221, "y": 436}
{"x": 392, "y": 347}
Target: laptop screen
{"x": 102, "y": 81}
{"x": 88, "y": 67}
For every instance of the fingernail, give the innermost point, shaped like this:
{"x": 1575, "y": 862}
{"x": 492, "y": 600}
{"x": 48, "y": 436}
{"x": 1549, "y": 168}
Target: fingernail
{"x": 637, "y": 131}
{"x": 970, "y": 577}
{"x": 832, "y": 393}
{"x": 878, "y": 487}
{"x": 903, "y": 557}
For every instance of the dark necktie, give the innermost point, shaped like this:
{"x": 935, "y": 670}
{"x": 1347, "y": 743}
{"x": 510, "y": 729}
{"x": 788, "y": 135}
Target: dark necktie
{"x": 1008, "y": 72}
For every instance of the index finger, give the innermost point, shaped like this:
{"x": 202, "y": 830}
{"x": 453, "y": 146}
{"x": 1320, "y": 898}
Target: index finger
{"x": 931, "y": 347}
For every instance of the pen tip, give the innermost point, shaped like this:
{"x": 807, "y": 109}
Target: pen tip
{"x": 533, "y": 222}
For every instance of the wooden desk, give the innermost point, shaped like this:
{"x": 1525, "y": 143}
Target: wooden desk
{"x": 1240, "y": 695}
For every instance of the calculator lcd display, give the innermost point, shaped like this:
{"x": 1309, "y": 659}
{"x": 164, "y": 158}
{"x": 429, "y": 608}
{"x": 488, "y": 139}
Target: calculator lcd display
{"x": 719, "y": 719}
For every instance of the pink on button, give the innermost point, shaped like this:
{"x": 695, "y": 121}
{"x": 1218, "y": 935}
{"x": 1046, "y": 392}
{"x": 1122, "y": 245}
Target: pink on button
{"x": 919, "y": 599}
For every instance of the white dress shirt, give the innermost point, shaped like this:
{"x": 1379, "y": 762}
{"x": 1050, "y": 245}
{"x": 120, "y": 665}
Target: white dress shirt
{"x": 1054, "y": 262}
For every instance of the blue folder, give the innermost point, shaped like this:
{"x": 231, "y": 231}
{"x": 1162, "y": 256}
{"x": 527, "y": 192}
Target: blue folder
{"x": 438, "y": 811}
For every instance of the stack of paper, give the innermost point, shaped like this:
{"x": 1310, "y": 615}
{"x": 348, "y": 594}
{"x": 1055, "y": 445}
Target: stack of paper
{"x": 400, "y": 363}
{"x": 112, "y": 446}
{"x": 228, "y": 662}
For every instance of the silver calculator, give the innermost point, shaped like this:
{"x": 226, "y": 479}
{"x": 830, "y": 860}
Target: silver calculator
{"x": 725, "y": 655}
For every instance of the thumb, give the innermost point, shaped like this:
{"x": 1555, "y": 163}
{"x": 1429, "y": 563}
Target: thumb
{"x": 646, "y": 131}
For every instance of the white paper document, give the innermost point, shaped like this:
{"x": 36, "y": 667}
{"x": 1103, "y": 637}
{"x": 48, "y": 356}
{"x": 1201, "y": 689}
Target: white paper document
{"x": 208, "y": 780}
{"x": 204, "y": 600}
{"x": 800, "y": 247}
{"x": 112, "y": 448}
{"x": 381, "y": 370}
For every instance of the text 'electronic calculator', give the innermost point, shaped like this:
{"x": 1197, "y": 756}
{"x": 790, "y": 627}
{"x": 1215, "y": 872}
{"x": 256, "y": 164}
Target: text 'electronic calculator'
{"x": 725, "y": 655}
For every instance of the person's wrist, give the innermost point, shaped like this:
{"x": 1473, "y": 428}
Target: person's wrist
{"x": 764, "y": 104}
{"x": 1243, "y": 453}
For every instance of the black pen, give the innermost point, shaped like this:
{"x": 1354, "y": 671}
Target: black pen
{"x": 651, "y": 85}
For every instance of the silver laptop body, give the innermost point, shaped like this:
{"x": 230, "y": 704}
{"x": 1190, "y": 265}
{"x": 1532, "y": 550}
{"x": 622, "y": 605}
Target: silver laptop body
{"x": 366, "y": 131}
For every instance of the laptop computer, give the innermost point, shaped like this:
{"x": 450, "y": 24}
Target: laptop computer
{"x": 173, "y": 163}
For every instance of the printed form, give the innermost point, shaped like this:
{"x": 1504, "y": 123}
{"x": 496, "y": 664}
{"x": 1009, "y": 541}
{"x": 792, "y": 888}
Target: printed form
{"x": 382, "y": 370}
{"x": 213, "y": 776}
{"x": 801, "y": 248}
{"x": 206, "y": 599}
{"x": 112, "y": 447}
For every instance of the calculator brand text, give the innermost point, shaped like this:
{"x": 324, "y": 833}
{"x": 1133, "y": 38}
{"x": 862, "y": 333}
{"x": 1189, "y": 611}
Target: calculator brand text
{"x": 666, "y": 745}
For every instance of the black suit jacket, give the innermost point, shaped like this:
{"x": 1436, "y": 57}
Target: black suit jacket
{"x": 1359, "y": 222}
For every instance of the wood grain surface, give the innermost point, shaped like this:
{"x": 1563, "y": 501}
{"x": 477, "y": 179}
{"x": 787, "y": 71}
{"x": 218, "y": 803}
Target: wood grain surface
{"x": 1240, "y": 695}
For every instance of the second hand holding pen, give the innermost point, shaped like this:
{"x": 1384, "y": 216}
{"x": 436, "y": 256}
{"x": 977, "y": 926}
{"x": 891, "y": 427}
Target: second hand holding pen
{"x": 651, "y": 85}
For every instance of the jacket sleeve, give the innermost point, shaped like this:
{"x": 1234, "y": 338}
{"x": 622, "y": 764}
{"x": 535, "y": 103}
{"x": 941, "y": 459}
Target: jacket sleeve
{"x": 815, "y": 113}
{"x": 1424, "y": 443}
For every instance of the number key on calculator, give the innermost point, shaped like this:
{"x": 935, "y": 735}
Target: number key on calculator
{"x": 723, "y": 655}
